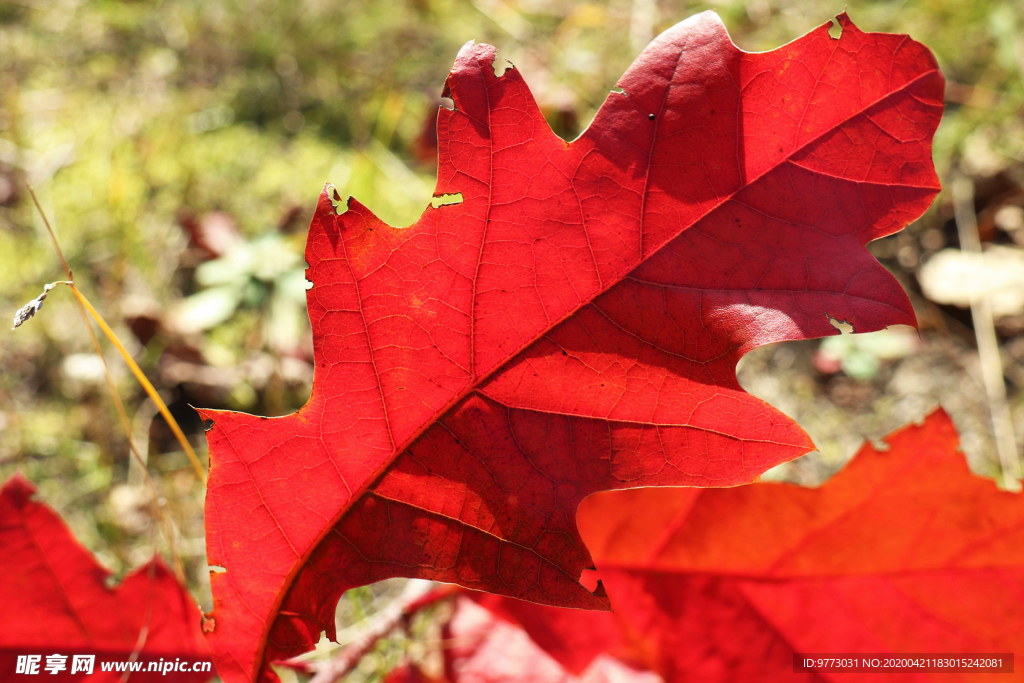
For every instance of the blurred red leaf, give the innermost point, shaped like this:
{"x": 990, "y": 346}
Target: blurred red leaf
{"x": 213, "y": 234}
{"x": 56, "y": 600}
{"x": 574, "y": 638}
{"x": 903, "y": 551}
{"x": 408, "y": 673}
{"x": 488, "y": 649}
{"x": 568, "y": 320}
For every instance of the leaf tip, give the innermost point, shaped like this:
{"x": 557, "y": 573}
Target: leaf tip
{"x": 935, "y": 429}
{"x": 18, "y": 489}
{"x": 939, "y": 419}
{"x": 476, "y": 66}
{"x": 207, "y": 418}
{"x": 471, "y": 61}
{"x": 602, "y": 595}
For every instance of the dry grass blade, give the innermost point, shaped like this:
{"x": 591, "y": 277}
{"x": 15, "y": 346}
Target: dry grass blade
{"x": 988, "y": 345}
{"x": 87, "y": 308}
{"x": 28, "y": 311}
{"x": 146, "y": 384}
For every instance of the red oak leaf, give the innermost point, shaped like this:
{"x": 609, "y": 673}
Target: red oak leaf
{"x": 56, "y": 600}
{"x": 571, "y": 325}
{"x": 903, "y": 551}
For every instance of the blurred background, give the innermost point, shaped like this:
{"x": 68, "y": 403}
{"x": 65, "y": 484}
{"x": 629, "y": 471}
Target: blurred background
{"x": 179, "y": 149}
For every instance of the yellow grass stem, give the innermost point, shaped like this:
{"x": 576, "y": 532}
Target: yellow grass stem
{"x": 132, "y": 365}
{"x": 168, "y": 528}
{"x": 144, "y": 381}
{"x": 158, "y": 513}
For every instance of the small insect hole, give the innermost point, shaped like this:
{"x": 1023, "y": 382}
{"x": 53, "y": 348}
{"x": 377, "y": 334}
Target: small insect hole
{"x": 501, "y": 65}
{"x": 842, "y": 325}
{"x": 836, "y": 29}
{"x": 437, "y": 201}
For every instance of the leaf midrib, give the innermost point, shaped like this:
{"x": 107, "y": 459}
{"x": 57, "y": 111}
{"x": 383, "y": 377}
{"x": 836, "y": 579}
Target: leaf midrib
{"x": 477, "y": 380}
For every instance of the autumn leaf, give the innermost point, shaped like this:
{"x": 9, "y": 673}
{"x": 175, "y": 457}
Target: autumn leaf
{"x": 57, "y": 599}
{"x": 902, "y": 551}
{"x": 566, "y": 318}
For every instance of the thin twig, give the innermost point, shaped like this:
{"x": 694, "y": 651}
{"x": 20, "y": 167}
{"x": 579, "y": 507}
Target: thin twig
{"x": 985, "y": 333}
{"x": 49, "y": 228}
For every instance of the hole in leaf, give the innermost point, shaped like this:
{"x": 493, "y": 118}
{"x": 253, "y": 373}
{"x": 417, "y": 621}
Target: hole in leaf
{"x": 836, "y": 29}
{"x": 448, "y": 103}
{"x": 446, "y": 200}
{"x": 217, "y": 569}
{"x": 841, "y": 325}
{"x": 207, "y": 424}
{"x": 501, "y": 65}
{"x": 618, "y": 90}
{"x": 339, "y": 206}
